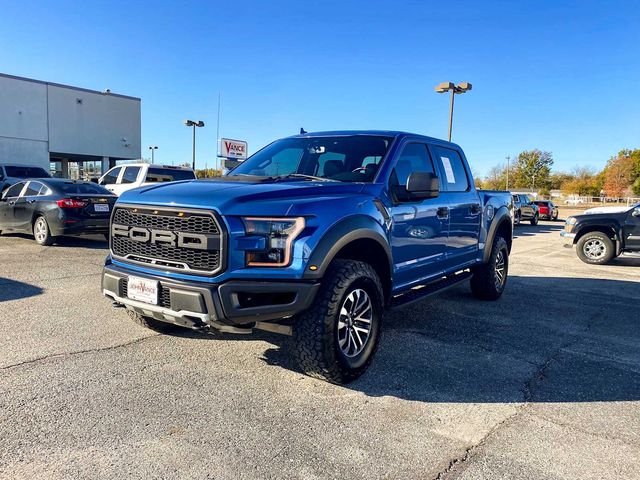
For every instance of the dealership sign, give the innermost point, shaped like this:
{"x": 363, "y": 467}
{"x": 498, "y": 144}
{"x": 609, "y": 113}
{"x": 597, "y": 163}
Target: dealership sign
{"x": 233, "y": 149}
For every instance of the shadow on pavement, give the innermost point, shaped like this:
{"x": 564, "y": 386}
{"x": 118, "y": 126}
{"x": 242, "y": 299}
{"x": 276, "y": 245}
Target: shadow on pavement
{"x": 13, "y": 290}
{"x": 88, "y": 241}
{"x": 526, "y": 230}
{"x": 580, "y": 346}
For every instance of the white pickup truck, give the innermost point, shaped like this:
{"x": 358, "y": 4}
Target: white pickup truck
{"x": 133, "y": 175}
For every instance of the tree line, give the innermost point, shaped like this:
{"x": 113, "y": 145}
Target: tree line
{"x": 533, "y": 169}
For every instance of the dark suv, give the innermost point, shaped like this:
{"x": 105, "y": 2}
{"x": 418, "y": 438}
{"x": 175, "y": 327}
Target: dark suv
{"x": 524, "y": 209}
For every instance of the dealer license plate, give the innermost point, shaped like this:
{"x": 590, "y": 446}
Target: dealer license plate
{"x": 101, "y": 208}
{"x": 142, "y": 290}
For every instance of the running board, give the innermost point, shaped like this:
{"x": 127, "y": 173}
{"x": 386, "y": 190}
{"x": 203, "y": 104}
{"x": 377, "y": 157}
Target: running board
{"x": 418, "y": 293}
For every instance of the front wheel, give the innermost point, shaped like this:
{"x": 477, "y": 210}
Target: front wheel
{"x": 41, "y": 232}
{"x": 516, "y": 218}
{"x": 336, "y": 338}
{"x": 595, "y": 248}
{"x": 489, "y": 279}
{"x": 534, "y": 220}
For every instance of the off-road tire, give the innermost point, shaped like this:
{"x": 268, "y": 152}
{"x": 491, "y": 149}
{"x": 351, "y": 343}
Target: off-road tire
{"x": 534, "y": 219}
{"x": 484, "y": 283}
{"x": 151, "y": 323}
{"x": 589, "y": 241}
{"x": 42, "y": 237}
{"x": 315, "y": 331}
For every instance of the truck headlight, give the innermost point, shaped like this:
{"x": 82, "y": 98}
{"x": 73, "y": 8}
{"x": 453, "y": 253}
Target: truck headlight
{"x": 279, "y": 234}
{"x": 571, "y": 221}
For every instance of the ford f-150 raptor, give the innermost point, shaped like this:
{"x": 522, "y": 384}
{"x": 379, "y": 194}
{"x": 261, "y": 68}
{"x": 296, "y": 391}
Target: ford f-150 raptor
{"x": 315, "y": 236}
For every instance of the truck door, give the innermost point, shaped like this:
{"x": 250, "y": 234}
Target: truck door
{"x": 631, "y": 229}
{"x": 419, "y": 229}
{"x": 128, "y": 180}
{"x": 110, "y": 179}
{"x": 464, "y": 208}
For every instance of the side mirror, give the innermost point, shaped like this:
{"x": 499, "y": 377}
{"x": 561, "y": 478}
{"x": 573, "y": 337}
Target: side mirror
{"x": 636, "y": 212}
{"x": 423, "y": 185}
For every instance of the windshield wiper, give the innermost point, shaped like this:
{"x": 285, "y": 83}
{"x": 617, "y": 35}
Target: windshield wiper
{"x": 308, "y": 177}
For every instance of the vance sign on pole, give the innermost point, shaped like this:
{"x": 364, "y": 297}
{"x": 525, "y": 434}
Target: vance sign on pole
{"x": 233, "y": 149}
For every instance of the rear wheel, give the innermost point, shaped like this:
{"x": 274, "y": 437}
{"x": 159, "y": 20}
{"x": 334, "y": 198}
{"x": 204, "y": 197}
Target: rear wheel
{"x": 41, "y": 232}
{"x": 595, "y": 248}
{"x": 336, "y": 338}
{"x": 151, "y": 323}
{"x": 534, "y": 220}
{"x": 489, "y": 279}
{"x": 516, "y": 218}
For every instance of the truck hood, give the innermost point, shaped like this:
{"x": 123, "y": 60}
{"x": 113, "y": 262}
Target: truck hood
{"x": 242, "y": 198}
{"x": 594, "y": 210}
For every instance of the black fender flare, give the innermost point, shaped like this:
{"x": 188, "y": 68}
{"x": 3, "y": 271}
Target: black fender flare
{"x": 340, "y": 235}
{"x": 501, "y": 216}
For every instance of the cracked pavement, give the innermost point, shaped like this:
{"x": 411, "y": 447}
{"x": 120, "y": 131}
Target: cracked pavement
{"x": 544, "y": 383}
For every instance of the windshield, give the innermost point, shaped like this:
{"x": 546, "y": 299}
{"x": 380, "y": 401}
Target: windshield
{"x": 26, "y": 172}
{"x": 344, "y": 159}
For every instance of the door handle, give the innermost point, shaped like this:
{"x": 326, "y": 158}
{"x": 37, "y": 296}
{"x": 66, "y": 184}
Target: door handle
{"x": 12, "y": 203}
{"x": 443, "y": 212}
{"x": 30, "y": 201}
{"x": 474, "y": 209}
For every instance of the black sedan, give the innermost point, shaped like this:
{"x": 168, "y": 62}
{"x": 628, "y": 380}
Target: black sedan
{"x": 51, "y": 207}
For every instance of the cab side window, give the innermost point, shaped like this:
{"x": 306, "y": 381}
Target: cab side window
{"x": 111, "y": 176}
{"x": 130, "y": 174}
{"x": 455, "y": 175}
{"x": 414, "y": 158}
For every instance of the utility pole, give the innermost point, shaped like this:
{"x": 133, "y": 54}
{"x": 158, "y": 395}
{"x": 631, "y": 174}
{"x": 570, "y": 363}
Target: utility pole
{"x": 218, "y": 134}
{"x": 508, "y": 161}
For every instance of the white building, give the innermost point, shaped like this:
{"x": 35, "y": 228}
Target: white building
{"x": 74, "y": 132}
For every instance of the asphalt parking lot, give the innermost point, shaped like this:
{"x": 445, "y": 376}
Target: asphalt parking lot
{"x": 544, "y": 383}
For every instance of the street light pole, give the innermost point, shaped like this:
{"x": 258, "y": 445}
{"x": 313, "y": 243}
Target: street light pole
{"x": 453, "y": 96}
{"x": 153, "y": 148}
{"x": 194, "y": 124}
{"x": 455, "y": 90}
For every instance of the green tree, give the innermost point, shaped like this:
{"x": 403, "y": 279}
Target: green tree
{"x": 533, "y": 169}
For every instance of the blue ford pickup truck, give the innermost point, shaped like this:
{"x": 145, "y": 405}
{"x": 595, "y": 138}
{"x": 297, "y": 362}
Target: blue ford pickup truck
{"x": 314, "y": 236}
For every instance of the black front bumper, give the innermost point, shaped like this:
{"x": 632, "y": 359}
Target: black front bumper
{"x": 198, "y": 305}
{"x": 79, "y": 227}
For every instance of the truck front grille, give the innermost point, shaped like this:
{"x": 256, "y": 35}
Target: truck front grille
{"x": 162, "y": 253}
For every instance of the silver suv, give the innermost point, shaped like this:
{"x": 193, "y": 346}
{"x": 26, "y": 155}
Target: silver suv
{"x": 11, "y": 173}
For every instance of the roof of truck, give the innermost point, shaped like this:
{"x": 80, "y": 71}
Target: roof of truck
{"x": 385, "y": 133}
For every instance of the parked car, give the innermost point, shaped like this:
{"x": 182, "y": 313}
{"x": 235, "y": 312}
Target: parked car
{"x": 51, "y": 207}
{"x": 524, "y": 209}
{"x": 600, "y": 237}
{"x": 133, "y": 175}
{"x": 547, "y": 209}
{"x": 313, "y": 236}
{"x": 11, "y": 173}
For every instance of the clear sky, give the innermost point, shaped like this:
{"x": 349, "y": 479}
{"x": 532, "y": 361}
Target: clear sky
{"x": 557, "y": 75}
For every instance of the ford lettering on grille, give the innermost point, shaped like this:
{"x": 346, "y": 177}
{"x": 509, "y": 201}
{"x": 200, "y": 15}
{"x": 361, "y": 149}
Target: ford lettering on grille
{"x": 180, "y": 240}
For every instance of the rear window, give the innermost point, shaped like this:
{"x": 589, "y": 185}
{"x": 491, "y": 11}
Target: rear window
{"x": 80, "y": 188}
{"x": 156, "y": 174}
{"x": 26, "y": 172}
